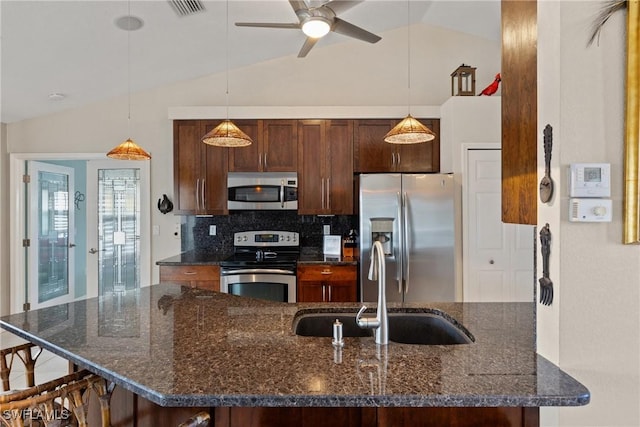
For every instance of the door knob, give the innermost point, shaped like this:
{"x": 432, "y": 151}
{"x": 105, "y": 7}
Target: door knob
{"x": 93, "y": 251}
{"x": 72, "y": 245}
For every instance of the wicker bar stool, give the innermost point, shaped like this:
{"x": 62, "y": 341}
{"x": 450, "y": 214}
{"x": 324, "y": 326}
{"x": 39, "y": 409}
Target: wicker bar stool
{"x": 201, "y": 419}
{"x": 60, "y": 402}
{"x": 24, "y": 352}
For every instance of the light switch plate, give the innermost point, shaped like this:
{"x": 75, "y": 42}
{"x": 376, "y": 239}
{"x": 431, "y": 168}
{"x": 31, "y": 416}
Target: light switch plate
{"x": 326, "y": 229}
{"x": 212, "y": 230}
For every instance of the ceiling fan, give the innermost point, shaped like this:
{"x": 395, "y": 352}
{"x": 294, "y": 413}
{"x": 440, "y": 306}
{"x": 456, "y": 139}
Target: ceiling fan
{"x": 316, "y": 21}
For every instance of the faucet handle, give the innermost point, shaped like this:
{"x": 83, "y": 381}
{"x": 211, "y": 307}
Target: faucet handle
{"x": 366, "y": 322}
{"x": 359, "y": 315}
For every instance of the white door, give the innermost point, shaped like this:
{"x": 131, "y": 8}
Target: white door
{"x": 498, "y": 258}
{"x": 51, "y": 234}
{"x": 118, "y": 241}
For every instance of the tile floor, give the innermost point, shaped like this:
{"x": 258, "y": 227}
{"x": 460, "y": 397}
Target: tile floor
{"x": 48, "y": 366}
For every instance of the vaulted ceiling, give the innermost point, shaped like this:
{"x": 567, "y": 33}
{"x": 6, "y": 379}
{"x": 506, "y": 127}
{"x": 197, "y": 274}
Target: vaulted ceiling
{"x": 74, "y": 48}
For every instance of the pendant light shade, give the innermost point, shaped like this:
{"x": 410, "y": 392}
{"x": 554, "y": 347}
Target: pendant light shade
{"x": 409, "y": 131}
{"x": 128, "y": 150}
{"x": 227, "y": 134}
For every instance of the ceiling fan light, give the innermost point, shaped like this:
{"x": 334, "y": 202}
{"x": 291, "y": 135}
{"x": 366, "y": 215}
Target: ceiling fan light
{"x": 316, "y": 27}
{"x": 128, "y": 150}
{"x": 409, "y": 131}
{"x": 227, "y": 134}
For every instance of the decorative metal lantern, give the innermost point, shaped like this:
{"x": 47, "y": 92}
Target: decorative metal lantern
{"x": 463, "y": 81}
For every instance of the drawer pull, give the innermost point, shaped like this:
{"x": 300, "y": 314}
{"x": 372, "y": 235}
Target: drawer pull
{"x": 326, "y": 272}
{"x": 190, "y": 273}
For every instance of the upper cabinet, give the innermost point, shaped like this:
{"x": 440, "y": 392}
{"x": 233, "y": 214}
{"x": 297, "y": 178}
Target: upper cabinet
{"x": 200, "y": 170}
{"x": 325, "y": 160}
{"x": 372, "y": 154}
{"x": 274, "y": 147}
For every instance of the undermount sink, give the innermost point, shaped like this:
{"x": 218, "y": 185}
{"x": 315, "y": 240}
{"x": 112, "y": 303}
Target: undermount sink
{"x": 430, "y": 328}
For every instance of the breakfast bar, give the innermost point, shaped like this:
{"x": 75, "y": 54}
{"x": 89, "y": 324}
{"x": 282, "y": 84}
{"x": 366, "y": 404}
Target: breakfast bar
{"x": 179, "y": 347}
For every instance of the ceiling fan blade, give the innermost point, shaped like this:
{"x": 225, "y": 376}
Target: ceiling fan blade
{"x": 339, "y": 6}
{"x": 306, "y": 47}
{"x": 298, "y": 5}
{"x": 343, "y": 27}
{"x": 267, "y": 25}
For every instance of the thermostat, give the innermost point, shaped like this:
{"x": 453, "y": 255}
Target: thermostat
{"x": 590, "y": 180}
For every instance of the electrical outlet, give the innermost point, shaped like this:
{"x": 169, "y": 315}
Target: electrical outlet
{"x": 177, "y": 231}
{"x": 326, "y": 229}
{"x": 155, "y": 230}
{"x": 212, "y": 230}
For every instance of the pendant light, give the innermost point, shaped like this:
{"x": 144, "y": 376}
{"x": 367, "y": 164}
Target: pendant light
{"x": 409, "y": 130}
{"x": 129, "y": 150}
{"x": 227, "y": 134}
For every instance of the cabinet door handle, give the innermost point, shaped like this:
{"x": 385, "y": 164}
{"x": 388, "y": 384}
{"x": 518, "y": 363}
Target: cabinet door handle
{"x": 259, "y": 160}
{"x": 398, "y": 159}
{"x": 328, "y": 193}
{"x": 323, "y": 294}
{"x": 329, "y": 286}
{"x": 322, "y": 193}
{"x": 265, "y": 161}
{"x": 198, "y": 194}
{"x": 204, "y": 197}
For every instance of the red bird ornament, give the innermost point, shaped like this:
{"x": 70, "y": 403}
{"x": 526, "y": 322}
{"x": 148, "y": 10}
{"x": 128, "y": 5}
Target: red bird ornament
{"x": 492, "y": 88}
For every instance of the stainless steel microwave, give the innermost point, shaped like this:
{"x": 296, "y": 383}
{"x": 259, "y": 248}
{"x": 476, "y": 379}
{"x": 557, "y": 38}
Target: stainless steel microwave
{"x": 262, "y": 191}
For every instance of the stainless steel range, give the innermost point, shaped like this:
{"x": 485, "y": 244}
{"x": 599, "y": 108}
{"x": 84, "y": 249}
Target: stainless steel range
{"x": 263, "y": 265}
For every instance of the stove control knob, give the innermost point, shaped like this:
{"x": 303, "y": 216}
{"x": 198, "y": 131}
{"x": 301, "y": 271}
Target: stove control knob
{"x": 244, "y": 239}
{"x": 288, "y": 238}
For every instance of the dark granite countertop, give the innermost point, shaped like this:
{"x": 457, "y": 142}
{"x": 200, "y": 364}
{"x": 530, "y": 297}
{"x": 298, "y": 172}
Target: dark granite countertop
{"x": 195, "y": 258}
{"x": 181, "y": 347}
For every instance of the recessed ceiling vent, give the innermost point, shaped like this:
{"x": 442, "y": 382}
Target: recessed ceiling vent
{"x": 186, "y": 7}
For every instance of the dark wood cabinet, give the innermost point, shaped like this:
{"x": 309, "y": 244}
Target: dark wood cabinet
{"x": 372, "y": 154}
{"x": 327, "y": 283}
{"x": 193, "y": 276}
{"x": 200, "y": 170}
{"x": 274, "y": 147}
{"x": 377, "y": 417}
{"x": 325, "y": 160}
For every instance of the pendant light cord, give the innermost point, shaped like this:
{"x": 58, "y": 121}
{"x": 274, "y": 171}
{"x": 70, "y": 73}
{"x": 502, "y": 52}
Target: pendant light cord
{"x": 129, "y": 69}
{"x": 226, "y": 42}
{"x": 408, "y": 56}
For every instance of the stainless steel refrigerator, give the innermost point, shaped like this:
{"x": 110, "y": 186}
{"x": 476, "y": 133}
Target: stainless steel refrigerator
{"x": 413, "y": 216}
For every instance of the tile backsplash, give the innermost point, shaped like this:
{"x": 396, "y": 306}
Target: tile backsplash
{"x": 195, "y": 229}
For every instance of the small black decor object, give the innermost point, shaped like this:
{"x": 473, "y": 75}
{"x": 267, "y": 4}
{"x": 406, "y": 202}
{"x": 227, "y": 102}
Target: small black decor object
{"x": 546, "y": 285}
{"x": 77, "y": 198}
{"x": 546, "y": 183}
{"x": 165, "y": 205}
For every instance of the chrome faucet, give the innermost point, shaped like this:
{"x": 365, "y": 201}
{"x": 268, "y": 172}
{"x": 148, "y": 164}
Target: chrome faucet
{"x": 380, "y": 323}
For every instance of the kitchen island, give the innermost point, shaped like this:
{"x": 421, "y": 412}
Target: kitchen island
{"x": 180, "y": 347}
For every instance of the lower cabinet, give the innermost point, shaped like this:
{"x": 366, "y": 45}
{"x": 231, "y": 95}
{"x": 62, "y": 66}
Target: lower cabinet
{"x": 327, "y": 283}
{"x": 377, "y": 417}
{"x": 194, "y": 276}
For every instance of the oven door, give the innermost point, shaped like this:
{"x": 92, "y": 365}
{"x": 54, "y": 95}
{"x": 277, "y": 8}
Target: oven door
{"x": 263, "y": 283}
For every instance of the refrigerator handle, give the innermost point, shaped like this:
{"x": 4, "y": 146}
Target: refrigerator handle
{"x": 400, "y": 247}
{"x": 405, "y": 247}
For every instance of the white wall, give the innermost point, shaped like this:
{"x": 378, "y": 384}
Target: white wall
{"x": 591, "y": 330}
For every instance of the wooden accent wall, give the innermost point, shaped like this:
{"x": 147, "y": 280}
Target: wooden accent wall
{"x": 519, "y": 112}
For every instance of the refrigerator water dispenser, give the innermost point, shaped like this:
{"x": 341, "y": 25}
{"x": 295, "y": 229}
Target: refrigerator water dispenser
{"x": 382, "y": 231}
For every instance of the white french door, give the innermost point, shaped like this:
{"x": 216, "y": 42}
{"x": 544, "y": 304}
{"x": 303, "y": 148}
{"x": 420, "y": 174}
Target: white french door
{"x": 117, "y": 226}
{"x": 51, "y": 234}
